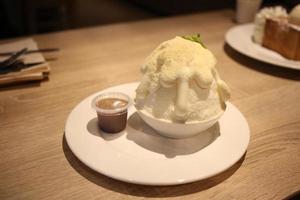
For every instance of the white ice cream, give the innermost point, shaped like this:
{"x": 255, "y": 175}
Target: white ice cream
{"x": 180, "y": 83}
{"x": 260, "y": 20}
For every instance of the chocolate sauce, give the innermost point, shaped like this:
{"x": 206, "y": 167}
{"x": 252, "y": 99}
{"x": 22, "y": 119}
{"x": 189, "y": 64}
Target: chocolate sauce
{"x": 111, "y": 103}
{"x": 112, "y": 122}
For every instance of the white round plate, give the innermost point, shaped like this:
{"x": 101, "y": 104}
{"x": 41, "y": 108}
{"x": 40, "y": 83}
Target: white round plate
{"x": 240, "y": 38}
{"x": 139, "y": 155}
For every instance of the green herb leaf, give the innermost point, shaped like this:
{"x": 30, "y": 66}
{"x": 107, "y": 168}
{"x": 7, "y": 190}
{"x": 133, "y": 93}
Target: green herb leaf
{"x": 194, "y": 38}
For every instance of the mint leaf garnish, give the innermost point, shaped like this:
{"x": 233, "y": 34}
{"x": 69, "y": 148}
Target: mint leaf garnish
{"x": 194, "y": 38}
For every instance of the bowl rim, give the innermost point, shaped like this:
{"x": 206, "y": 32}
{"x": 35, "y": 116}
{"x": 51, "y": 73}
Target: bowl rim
{"x": 215, "y": 117}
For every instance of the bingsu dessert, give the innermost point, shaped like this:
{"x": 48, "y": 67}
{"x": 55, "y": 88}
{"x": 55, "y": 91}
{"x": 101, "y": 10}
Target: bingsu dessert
{"x": 180, "y": 85}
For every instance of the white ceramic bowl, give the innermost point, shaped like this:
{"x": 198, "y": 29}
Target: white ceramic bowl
{"x": 177, "y": 130}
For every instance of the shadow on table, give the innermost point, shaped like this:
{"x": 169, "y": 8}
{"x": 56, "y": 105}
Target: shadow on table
{"x": 294, "y": 196}
{"x": 256, "y": 65}
{"x": 143, "y": 190}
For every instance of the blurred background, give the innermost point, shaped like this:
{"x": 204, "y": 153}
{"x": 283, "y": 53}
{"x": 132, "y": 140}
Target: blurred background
{"x": 27, "y": 17}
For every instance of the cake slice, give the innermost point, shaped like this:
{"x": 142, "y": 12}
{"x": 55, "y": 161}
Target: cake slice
{"x": 282, "y": 37}
{"x": 279, "y": 31}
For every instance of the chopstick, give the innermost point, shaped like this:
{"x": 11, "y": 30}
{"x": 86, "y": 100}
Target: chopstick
{"x": 18, "y": 66}
{"x": 44, "y": 50}
{"x": 12, "y": 59}
{"x": 44, "y": 68}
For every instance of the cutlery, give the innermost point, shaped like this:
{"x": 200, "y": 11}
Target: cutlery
{"x": 31, "y": 51}
{"x": 18, "y": 66}
{"x": 12, "y": 59}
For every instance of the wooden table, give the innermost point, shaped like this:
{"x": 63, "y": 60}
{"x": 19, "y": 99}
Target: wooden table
{"x": 36, "y": 162}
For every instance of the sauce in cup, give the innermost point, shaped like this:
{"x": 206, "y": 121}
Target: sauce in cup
{"x": 111, "y": 110}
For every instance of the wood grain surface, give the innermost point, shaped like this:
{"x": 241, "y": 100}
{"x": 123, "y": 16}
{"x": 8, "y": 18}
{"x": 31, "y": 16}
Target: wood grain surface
{"x": 36, "y": 162}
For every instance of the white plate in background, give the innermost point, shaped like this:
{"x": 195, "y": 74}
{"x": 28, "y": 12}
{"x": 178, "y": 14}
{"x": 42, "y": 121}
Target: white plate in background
{"x": 240, "y": 39}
